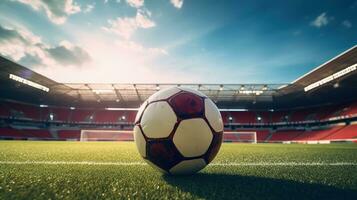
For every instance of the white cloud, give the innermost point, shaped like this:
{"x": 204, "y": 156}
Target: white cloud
{"x": 143, "y": 21}
{"x": 116, "y": 62}
{"x": 123, "y": 27}
{"x": 320, "y": 21}
{"x": 134, "y": 47}
{"x": 95, "y": 57}
{"x": 89, "y": 8}
{"x": 23, "y": 46}
{"x": 56, "y": 11}
{"x": 177, "y": 3}
{"x": 126, "y": 27}
{"x": 135, "y": 3}
{"x": 16, "y": 44}
{"x": 67, "y": 54}
{"x": 347, "y": 24}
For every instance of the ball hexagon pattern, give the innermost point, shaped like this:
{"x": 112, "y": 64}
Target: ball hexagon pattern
{"x": 178, "y": 130}
{"x": 140, "y": 141}
{"x": 188, "y": 133}
{"x": 188, "y": 166}
{"x": 213, "y": 116}
{"x": 158, "y": 120}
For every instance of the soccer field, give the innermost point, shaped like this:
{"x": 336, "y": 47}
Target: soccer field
{"x": 114, "y": 170}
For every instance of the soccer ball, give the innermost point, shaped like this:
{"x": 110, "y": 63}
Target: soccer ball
{"x": 178, "y": 130}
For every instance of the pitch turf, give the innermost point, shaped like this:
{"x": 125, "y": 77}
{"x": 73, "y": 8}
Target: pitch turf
{"x": 114, "y": 170}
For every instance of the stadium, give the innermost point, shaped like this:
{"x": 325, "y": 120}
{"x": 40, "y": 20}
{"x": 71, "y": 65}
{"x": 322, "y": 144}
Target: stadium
{"x": 319, "y": 107}
{"x": 74, "y": 140}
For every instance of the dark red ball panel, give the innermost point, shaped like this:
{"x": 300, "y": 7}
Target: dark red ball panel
{"x": 187, "y": 105}
{"x": 214, "y": 147}
{"x": 163, "y": 153}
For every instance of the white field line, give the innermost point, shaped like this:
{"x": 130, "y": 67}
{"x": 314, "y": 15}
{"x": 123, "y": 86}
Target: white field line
{"x": 212, "y": 164}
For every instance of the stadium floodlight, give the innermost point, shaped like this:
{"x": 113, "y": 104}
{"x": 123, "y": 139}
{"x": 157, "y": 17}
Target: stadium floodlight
{"x": 107, "y": 91}
{"x": 265, "y": 87}
{"x": 336, "y": 85}
{"x": 334, "y": 76}
{"x": 28, "y": 82}
{"x": 256, "y": 92}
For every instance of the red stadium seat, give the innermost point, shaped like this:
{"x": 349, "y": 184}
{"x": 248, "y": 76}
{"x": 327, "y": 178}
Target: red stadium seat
{"x": 317, "y": 134}
{"x": 347, "y": 132}
{"x": 285, "y": 135}
{"x": 69, "y": 134}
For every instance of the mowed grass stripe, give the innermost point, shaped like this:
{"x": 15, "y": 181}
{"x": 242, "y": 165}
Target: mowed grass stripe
{"x": 212, "y": 164}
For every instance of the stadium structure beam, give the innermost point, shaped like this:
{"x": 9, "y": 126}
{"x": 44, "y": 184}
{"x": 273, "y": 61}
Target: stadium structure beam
{"x": 79, "y": 96}
{"x": 216, "y": 97}
{"x": 95, "y": 94}
{"x": 118, "y": 94}
{"x": 235, "y": 95}
{"x": 137, "y": 93}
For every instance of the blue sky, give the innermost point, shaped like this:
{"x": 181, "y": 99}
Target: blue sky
{"x": 175, "y": 41}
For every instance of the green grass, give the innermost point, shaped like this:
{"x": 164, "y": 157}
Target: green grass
{"x": 44, "y": 181}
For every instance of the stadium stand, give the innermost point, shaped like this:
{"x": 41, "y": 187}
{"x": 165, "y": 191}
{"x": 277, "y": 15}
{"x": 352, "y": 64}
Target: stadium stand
{"x": 280, "y": 116}
{"x": 317, "y": 134}
{"x": 285, "y": 135}
{"x": 347, "y": 132}
{"x": 82, "y": 116}
{"x": 65, "y": 114}
{"x": 351, "y": 110}
{"x": 104, "y": 116}
{"x": 69, "y": 134}
{"x": 59, "y": 114}
{"x": 243, "y": 117}
{"x": 4, "y": 111}
{"x": 11, "y": 133}
{"x": 264, "y": 116}
{"x": 18, "y": 110}
{"x": 28, "y": 111}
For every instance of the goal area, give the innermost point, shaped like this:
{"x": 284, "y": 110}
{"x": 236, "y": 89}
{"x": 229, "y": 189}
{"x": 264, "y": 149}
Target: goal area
{"x": 106, "y": 135}
{"x": 240, "y": 136}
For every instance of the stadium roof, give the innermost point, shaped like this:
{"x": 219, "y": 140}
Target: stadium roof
{"x": 140, "y": 92}
{"x": 340, "y": 62}
{"x": 336, "y": 89}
